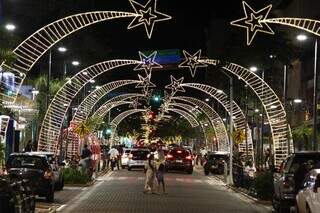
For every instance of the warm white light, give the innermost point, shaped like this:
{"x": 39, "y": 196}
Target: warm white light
{"x": 219, "y": 91}
{"x": 92, "y": 81}
{"x": 98, "y": 87}
{"x": 205, "y": 124}
{"x": 85, "y": 73}
{"x": 10, "y": 27}
{"x": 224, "y": 119}
{"x": 253, "y": 69}
{"x": 75, "y": 63}
{"x": 256, "y": 110}
{"x": 35, "y": 92}
{"x": 273, "y": 106}
{"x": 207, "y": 99}
{"x": 62, "y": 49}
{"x": 302, "y": 37}
{"x": 297, "y": 101}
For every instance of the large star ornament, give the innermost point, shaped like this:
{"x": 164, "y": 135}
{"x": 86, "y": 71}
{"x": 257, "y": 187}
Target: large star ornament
{"x": 192, "y": 62}
{"x": 145, "y": 82}
{"x": 253, "y": 21}
{"x": 134, "y": 103}
{"x": 175, "y": 85}
{"x": 147, "y": 62}
{"x": 147, "y": 15}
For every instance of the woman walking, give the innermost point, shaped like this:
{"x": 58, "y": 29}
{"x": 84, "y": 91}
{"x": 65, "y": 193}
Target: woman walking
{"x": 150, "y": 170}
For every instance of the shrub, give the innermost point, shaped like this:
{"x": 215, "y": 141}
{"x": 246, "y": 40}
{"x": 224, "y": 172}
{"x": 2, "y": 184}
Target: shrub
{"x": 74, "y": 176}
{"x": 263, "y": 185}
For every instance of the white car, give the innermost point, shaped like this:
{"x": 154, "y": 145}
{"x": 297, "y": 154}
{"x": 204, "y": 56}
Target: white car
{"x": 125, "y": 158}
{"x": 308, "y": 198}
{"x": 137, "y": 158}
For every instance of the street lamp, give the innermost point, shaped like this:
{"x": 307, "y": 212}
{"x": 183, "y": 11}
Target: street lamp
{"x": 302, "y": 37}
{"x": 253, "y": 69}
{"x": 75, "y": 63}
{"x": 62, "y": 49}
{"x": 10, "y": 27}
{"x": 297, "y": 100}
{"x": 207, "y": 99}
{"x": 34, "y": 93}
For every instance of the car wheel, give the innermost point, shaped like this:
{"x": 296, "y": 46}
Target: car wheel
{"x": 50, "y": 195}
{"x": 283, "y": 208}
{"x": 206, "y": 172}
{"x": 129, "y": 168}
{"x": 123, "y": 167}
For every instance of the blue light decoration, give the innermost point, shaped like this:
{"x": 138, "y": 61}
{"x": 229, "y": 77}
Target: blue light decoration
{"x": 167, "y": 57}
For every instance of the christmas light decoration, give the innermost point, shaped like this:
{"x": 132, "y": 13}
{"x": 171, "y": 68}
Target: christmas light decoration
{"x": 192, "y": 62}
{"x": 148, "y": 63}
{"x": 4, "y": 121}
{"x": 175, "y": 85}
{"x": 145, "y": 83}
{"x": 258, "y": 21}
{"x": 252, "y": 21}
{"x": 193, "y": 122}
{"x": 214, "y": 118}
{"x": 32, "y": 48}
{"x": 135, "y": 103}
{"x": 148, "y": 16}
{"x": 52, "y": 123}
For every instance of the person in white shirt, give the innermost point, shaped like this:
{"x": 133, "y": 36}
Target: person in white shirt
{"x": 114, "y": 153}
{"x": 249, "y": 173}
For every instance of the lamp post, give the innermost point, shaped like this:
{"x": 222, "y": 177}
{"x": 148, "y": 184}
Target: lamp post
{"x": 302, "y": 37}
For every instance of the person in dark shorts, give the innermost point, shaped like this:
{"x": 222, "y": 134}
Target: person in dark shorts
{"x": 160, "y": 178}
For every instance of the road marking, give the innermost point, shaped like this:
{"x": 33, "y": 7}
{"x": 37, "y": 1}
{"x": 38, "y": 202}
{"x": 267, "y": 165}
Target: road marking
{"x": 61, "y": 207}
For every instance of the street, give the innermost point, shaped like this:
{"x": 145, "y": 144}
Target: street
{"x": 121, "y": 191}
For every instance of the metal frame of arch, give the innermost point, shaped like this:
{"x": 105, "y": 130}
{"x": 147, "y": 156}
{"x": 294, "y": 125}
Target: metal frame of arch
{"x": 52, "y": 122}
{"x": 276, "y": 115}
{"x": 193, "y": 122}
{"x": 32, "y": 48}
{"x": 214, "y": 118}
{"x": 240, "y": 122}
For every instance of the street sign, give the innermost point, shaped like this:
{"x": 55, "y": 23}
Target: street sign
{"x": 238, "y": 136}
{"x": 82, "y": 130}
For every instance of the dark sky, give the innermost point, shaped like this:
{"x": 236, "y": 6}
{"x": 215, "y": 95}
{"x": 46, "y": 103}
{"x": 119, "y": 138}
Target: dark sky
{"x": 110, "y": 40}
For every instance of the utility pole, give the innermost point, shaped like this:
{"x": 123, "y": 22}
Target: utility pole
{"x": 246, "y": 129}
{"x": 231, "y": 132}
{"x": 262, "y": 125}
{"x": 48, "y": 79}
{"x": 315, "y": 97}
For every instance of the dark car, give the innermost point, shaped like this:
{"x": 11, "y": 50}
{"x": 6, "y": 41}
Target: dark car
{"x": 215, "y": 162}
{"x": 288, "y": 180}
{"x": 179, "y": 159}
{"x": 35, "y": 168}
{"x": 57, "y": 168}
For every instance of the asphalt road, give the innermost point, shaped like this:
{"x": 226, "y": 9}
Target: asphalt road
{"x": 121, "y": 191}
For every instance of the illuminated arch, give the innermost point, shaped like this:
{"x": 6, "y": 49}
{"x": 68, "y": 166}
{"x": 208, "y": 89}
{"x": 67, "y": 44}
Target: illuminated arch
{"x": 4, "y": 121}
{"x": 193, "y": 122}
{"x": 215, "y": 119}
{"x": 32, "y": 48}
{"x": 58, "y": 107}
{"x": 276, "y": 115}
{"x": 117, "y": 120}
{"x": 86, "y": 106}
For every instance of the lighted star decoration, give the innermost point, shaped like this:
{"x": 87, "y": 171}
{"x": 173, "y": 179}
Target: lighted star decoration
{"x": 253, "y": 21}
{"x": 135, "y": 103}
{"x": 147, "y": 16}
{"x": 148, "y": 62}
{"x": 192, "y": 62}
{"x": 145, "y": 82}
{"x": 147, "y": 94}
{"x": 175, "y": 85}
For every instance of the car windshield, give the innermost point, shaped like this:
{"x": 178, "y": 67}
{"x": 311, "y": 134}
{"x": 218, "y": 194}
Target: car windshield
{"x": 310, "y": 161}
{"x": 217, "y": 157}
{"x": 26, "y": 162}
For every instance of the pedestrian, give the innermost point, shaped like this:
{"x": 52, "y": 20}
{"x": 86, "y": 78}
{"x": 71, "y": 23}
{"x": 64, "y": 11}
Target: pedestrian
{"x": 249, "y": 173}
{"x": 160, "y": 178}
{"x": 86, "y": 160}
{"x": 150, "y": 170}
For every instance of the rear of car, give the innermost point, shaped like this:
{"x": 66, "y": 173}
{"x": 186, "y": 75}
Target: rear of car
{"x": 125, "y": 158}
{"x": 34, "y": 168}
{"x": 137, "y": 158}
{"x": 289, "y": 181}
{"x": 179, "y": 160}
{"x": 308, "y": 198}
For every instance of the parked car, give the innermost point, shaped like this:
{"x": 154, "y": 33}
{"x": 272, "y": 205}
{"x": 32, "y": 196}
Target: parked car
{"x": 215, "y": 162}
{"x": 35, "y": 168}
{"x": 125, "y": 158}
{"x": 308, "y": 198}
{"x": 57, "y": 168}
{"x": 288, "y": 180}
{"x": 179, "y": 159}
{"x": 137, "y": 158}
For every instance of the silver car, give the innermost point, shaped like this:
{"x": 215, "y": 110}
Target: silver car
{"x": 137, "y": 158}
{"x": 125, "y": 158}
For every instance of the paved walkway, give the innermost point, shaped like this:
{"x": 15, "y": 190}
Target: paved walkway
{"x": 121, "y": 191}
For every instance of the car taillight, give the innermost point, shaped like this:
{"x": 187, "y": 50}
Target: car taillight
{"x": 189, "y": 157}
{"x": 288, "y": 184}
{"x": 169, "y": 156}
{"x": 48, "y": 174}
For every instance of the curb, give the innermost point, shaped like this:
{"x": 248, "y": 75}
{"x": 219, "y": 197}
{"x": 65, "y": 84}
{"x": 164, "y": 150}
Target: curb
{"x": 91, "y": 183}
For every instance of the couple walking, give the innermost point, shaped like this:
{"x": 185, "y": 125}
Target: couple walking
{"x": 154, "y": 168}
